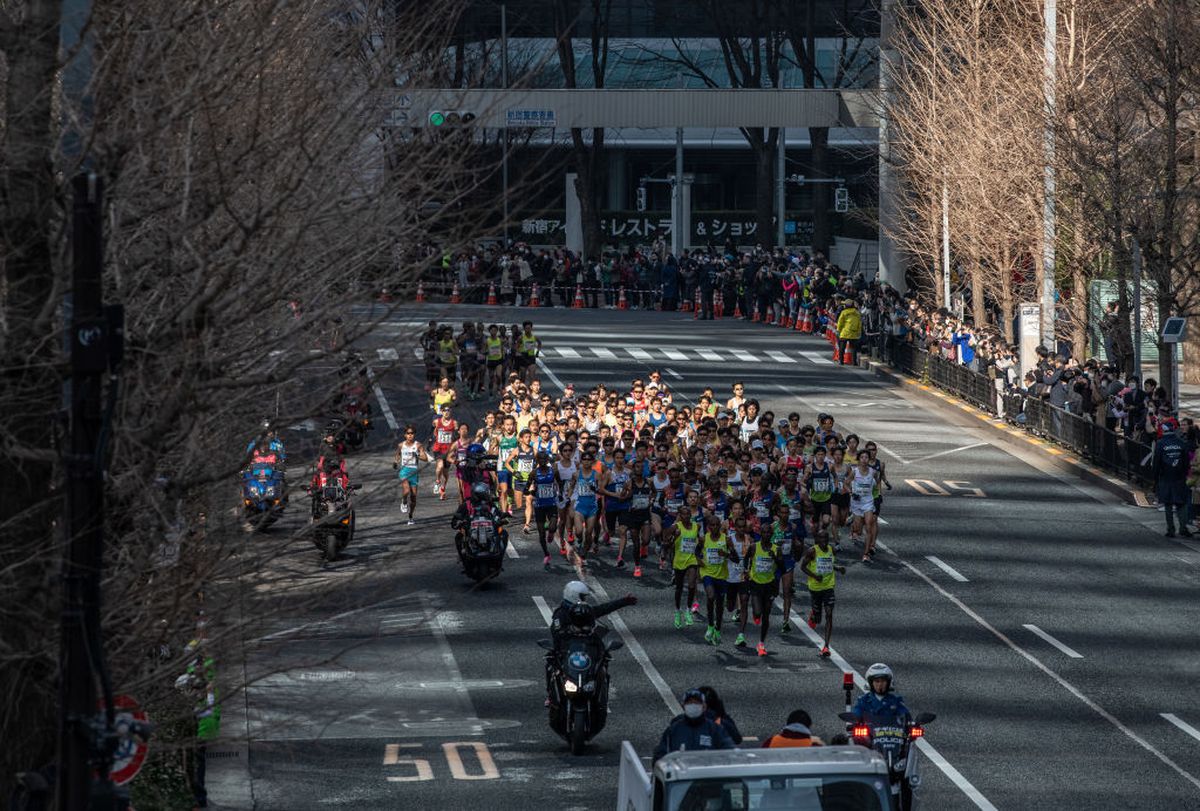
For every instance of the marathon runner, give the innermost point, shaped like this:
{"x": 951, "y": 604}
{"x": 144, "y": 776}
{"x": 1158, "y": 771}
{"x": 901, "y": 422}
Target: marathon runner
{"x": 409, "y": 454}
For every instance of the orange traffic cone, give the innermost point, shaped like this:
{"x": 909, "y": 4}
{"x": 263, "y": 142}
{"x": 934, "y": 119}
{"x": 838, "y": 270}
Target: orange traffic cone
{"x": 754, "y": 315}
{"x": 788, "y": 321}
{"x": 805, "y": 324}
{"x": 718, "y": 304}
{"x": 848, "y": 354}
{"x": 798, "y": 322}
{"x": 685, "y": 305}
{"x": 455, "y": 296}
{"x": 737, "y": 307}
{"x": 491, "y": 293}
{"x": 578, "y": 303}
{"x": 420, "y": 292}
{"x": 622, "y": 304}
{"x": 533, "y": 297}
{"x": 697, "y": 306}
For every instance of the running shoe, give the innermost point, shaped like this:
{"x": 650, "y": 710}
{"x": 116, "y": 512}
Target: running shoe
{"x": 716, "y": 637}
{"x": 758, "y": 620}
{"x": 678, "y": 619}
{"x": 562, "y": 550}
{"x": 687, "y": 618}
{"x": 696, "y": 609}
{"x": 546, "y": 562}
{"x": 442, "y": 497}
{"x": 411, "y": 522}
{"x": 762, "y": 649}
{"x": 736, "y": 615}
{"x": 527, "y": 529}
{"x": 637, "y": 571}
{"x": 620, "y": 563}
{"x": 708, "y": 633}
{"x": 740, "y": 641}
{"x": 404, "y": 507}
{"x": 866, "y": 558}
{"x": 812, "y": 620}
{"x": 825, "y": 651}
{"x": 787, "y": 626}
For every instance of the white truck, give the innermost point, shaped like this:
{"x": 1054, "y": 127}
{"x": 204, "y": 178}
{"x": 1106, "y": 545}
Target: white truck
{"x": 818, "y": 778}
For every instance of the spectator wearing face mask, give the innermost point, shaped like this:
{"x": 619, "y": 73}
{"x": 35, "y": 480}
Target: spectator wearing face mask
{"x": 693, "y": 730}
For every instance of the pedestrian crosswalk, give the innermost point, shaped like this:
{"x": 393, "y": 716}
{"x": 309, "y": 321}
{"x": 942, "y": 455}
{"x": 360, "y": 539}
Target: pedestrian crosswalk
{"x": 654, "y": 354}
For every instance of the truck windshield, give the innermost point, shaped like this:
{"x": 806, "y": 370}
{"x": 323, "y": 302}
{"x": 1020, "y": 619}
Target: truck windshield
{"x": 841, "y": 792}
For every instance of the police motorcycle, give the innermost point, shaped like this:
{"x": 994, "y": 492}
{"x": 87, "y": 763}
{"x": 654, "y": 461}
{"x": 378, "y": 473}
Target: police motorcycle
{"x": 262, "y": 495}
{"x": 480, "y": 538}
{"x": 332, "y": 512}
{"x": 892, "y": 736}
{"x": 577, "y": 677}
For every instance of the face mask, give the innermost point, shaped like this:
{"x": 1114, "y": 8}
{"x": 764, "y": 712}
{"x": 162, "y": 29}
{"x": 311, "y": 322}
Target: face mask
{"x": 693, "y": 710}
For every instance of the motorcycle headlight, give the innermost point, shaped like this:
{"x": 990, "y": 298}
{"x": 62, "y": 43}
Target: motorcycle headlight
{"x": 570, "y": 686}
{"x": 346, "y": 520}
{"x": 269, "y": 492}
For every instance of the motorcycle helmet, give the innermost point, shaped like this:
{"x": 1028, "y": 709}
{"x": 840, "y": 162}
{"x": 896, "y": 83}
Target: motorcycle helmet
{"x": 879, "y": 670}
{"x": 475, "y": 449}
{"x": 481, "y": 492}
{"x": 576, "y": 592}
{"x": 581, "y": 618}
{"x": 332, "y": 466}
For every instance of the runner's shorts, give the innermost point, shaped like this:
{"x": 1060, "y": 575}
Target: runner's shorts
{"x": 718, "y": 585}
{"x": 680, "y": 575}
{"x": 859, "y": 507}
{"x": 821, "y": 600}
{"x": 503, "y": 477}
{"x": 585, "y": 510}
{"x": 547, "y": 514}
{"x": 409, "y": 474}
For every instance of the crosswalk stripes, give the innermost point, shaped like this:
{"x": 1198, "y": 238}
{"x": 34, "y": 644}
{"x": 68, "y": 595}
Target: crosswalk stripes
{"x": 567, "y": 352}
{"x": 659, "y": 353}
{"x": 601, "y": 352}
{"x": 639, "y": 354}
{"x": 817, "y": 358}
{"x": 674, "y": 354}
{"x": 779, "y": 356}
{"x": 743, "y": 356}
{"x": 709, "y": 355}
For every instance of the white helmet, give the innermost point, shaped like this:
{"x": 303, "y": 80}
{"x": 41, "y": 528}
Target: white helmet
{"x": 879, "y": 671}
{"x": 576, "y": 592}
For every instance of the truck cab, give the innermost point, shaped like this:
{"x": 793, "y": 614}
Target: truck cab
{"x": 819, "y": 778}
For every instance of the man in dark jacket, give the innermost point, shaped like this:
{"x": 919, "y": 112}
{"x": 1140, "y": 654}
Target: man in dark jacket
{"x": 1171, "y": 465}
{"x": 694, "y": 730}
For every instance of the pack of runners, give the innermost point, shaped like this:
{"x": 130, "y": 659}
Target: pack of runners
{"x": 721, "y": 495}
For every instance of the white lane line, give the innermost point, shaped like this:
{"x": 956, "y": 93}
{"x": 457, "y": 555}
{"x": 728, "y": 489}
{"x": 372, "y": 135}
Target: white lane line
{"x": 511, "y": 549}
{"x": 638, "y": 354}
{"x": 673, "y": 354}
{"x": 1074, "y": 654}
{"x": 817, "y": 358}
{"x": 553, "y": 377}
{"x": 601, "y": 352}
{"x": 745, "y": 357}
{"x": 946, "y": 453}
{"x": 780, "y": 357}
{"x": 567, "y": 352}
{"x": 935, "y": 757}
{"x": 708, "y": 354}
{"x": 639, "y": 653}
{"x": 419, "y": 352}
{"x": 674, "y": 374}
{"x": 1036, "y": 662}
{"x": 387, "y": 353}
{"x": 383, "y": 403}
{"x": 947, "y": 568}
{"x": 880, "y": 520}
{"x": 1179, "y": 722}
{"x": 540, "y": 602}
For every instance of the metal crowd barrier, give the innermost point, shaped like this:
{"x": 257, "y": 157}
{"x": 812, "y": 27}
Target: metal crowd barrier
{"x": 1108, "y": 449}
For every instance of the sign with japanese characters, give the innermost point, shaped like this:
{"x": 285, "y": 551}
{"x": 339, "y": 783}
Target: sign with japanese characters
{"x": 644, "y": 227}
{"x": 529, "y": 118}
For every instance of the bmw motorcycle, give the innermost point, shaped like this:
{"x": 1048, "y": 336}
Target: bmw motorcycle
{"x": 332, "y": 519}
{"x": 579, "y": 687}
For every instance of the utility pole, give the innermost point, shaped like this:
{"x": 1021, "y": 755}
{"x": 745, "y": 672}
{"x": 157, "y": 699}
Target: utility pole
{"x": 780, "y": 184}
{"x": 945, "y": 245}
{"x": 1050, "y": 62}
{"x": 1137, "y": 309}
{"x": 504, "y": 84}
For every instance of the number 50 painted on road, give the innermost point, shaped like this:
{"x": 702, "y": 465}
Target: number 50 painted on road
{"x": 424, "y": 769}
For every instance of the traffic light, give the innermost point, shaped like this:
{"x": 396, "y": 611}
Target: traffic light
{"x": 841, "y": 200}
{"x": 450, "y": 118}
{"x": 641, "y": 198}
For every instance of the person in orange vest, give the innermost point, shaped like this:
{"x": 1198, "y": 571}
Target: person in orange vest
{"x": 798, "y": 732}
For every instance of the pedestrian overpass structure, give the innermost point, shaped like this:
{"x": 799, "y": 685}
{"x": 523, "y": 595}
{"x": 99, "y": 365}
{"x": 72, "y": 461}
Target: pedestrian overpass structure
{"x": 703, "y": 108}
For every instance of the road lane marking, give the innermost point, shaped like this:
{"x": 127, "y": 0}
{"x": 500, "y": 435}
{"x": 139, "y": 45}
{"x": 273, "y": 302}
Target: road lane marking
{"x": 567, "y": 352}
{"x": 708, "y": 354}
{"x": 419, "y": 352}
{"x": 947, "y": 568}
{"x": 639, "y": 354}
{"x": 553, "y": 377}
{"x": 1179, "y": 722}
{"x": 1074, "y": 654}
{"x": 1036, "y": 662}
{"x": 946, "y": 453}
{"x": 745, "y": 357}
{"x": 511, "y": 549}
{"x": 540, "y": 602}
{"x": 935, "y": 757}
{"x": 639, "y": 653}
{"x": 780, "y": 357}
{"x": 817, "y": 358}
{"x": 601, "y": 352}
{"x": 674, "y": 374}
{"x": 673, "y": 354}
{"x": 383, "y": 403}
{"x": 486, "y": 763}
{"x": 387, "y": 353}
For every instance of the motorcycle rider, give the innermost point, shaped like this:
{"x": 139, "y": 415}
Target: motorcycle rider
{"x": 693, "y": 730}
{"x": 881, "y": 706}
{"x": 479, "y": 504}
{"x": 273, "y": 443}
{"x": 575, "y": 617}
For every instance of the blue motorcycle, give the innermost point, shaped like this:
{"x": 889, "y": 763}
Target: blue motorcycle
{"x": 263, "y": 496}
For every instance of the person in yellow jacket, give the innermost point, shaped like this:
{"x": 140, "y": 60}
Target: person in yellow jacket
{"x": 849, "y": 330}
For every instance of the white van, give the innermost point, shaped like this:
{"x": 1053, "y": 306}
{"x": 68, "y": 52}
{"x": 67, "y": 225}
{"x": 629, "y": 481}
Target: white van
{"x": 817, "y": 778}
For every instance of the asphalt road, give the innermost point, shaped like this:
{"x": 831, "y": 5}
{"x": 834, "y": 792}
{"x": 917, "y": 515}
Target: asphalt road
{"x": 1049, "y": 626}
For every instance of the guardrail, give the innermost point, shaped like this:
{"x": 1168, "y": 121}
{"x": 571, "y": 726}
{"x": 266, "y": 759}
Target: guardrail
{"x": 1107, "y": 449}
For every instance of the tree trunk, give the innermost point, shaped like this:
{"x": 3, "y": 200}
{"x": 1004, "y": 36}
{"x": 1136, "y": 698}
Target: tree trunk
{"x": 764, "y": 189}
{"x": 821, "y": 192}
{"x": 1006, "y": 295}
{"x": 1079, "y": 310}
{"x": 587, "y": 185}
{"x": 978, "y": 301}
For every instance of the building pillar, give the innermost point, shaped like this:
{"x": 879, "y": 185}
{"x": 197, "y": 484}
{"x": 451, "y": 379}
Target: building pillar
{"x": 574, "y": 225}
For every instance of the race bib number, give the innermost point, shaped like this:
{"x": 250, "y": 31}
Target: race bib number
{"x": 824, "y": 566}
{"x": 764, "y": 565}
{"x": 641, "y": 502}
{"x": 583, "y": 489}
{"x": 445, "y": 437}
{"x": 687, "y": 546}
{"x": 673, "y": 505}
{"x": 524, "y": 465}
{"x": 546, "y": 491}
{"x": 821, "y": 485}
{"x": 408, "y": 458}
{"x": 735, "y": 572}
{"x": 712, "y": 555}
{"x": 861, "y": 489}
{"x": 761, "y": 510}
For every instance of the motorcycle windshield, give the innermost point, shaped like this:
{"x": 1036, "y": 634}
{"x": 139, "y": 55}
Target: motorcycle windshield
{"x": 332, "y": 493}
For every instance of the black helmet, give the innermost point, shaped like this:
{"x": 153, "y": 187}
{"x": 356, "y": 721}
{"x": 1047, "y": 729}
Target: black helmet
{"x": 582, "y": 617}
{"x": 331, "y": 465}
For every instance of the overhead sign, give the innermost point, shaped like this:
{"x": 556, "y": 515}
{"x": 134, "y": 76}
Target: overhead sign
{"x": 131, "y": 751}
{"x": 530, "y": 118}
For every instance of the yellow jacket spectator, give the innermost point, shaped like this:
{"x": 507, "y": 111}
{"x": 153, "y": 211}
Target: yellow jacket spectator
{"x": 849, "y": 323}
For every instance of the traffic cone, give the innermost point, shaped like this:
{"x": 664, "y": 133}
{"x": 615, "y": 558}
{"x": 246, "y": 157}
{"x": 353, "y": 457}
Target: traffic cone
{"x": 788, "y": 321}
{"x": 737, "y": 307}
{"x": 798, "y": 323}
{"x": 533, "y": 297}
{"x": 492, "y": 293}
{"x": 805, "y": 320}
{"x": 754, "y": 315}
{"x": 848, "y": 355}
{"x": 685, "y": 305}
{"x": 718, "y": 304}
{"x": 385, "y": 295}
{"x": 578, "y": 303}
{"x": 455, "y": 296}
{"x": 698, "y": 305}
{"x": 420, "y": 292}
{"x": 622, "y": 304}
